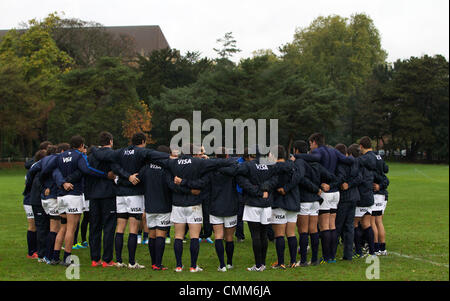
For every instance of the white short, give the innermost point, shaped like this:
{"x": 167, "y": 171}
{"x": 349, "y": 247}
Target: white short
{"x": 311, "y": 208}
{"x": 130, "y": 204}
{"x": 50, "y": 206}
{"x": 187, "y": 215}
{"x": 380, "y": 203}
{"x": 361, "y": 211}
{"x": 227, "y": 221}
{"x": 28, "y": 211}
{"x": 257, "y": 215}
{"x": 160, "y": 220}
{"x": 283, "y": 216}
{"x": 330, "y": 200}
{"x": 70, "y": 204}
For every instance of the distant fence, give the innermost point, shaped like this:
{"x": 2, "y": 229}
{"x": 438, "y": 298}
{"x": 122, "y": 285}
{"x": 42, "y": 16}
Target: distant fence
{"x": 15, "y": 159}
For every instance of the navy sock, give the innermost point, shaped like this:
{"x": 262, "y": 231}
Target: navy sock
{"x": 333, "y": 243}
{"x": 229, "y": 248}
{"x": 382, "y": 246}
{"x": 325, "y": 236}
{"x": 314, "y": 246}
{"x": 178, "y": 249}
{"x": 139, "y": 232}
{"x": 145, "y": 235}
{"x": 50, "y": 244}
{"x": 160, "y": 243}
{"x": 280, "y": 246}
{"x": 304, "y": 247}
{"x": 220, "y": 251}
{"x": 66, "y": 255}
{"x": 195, "y": 248}
{"x": 358, "y": 242}
{"x": 119, "y": 246}
{"x": 56, "y": 254}
{"x": 369, "y": 236}
{"x": 151, "y": 249}
{"x": 132, "y": 245}
{"x": 376, "y": 246}
{"x": 292, "y": 244}
{"x": 32, "y": 242}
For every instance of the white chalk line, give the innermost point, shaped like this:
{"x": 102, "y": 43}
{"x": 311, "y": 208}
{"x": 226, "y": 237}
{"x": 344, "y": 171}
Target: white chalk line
{"x": 419, "y": 259}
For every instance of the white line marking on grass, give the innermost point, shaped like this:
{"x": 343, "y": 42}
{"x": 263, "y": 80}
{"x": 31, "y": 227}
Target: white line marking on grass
{"x": 419, "y": 259}
{"x": 425, "y": 175}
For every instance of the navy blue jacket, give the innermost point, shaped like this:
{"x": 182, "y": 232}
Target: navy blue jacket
{"x": 224, "y": 199}
{"x": 309, "y": 184}
{"x": 380, "y": 178}
{"x": 49, "y": 182}
{"x": 69, "y": 162}
{"x": 351, "y": 175}
{"x": 367, "y": 165}
{"x": 192, "y": 172}
{"x": 95, "y": 187}
{"x": 289, "y": 177}
{"x": 33, "y": 184}
{"x": 129, "y": 161}
{"x": 158, "y": 195}
{"x": 255, "y": 178}
{"x": 329, "y": 158}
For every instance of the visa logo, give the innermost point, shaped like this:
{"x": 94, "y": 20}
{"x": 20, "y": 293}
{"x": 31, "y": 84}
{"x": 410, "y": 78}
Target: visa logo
{"x": 67, "y": 159}
{"x": 129, "y": 152}
{"x": 184, "y": 161}
{"x": 262, "y": 167}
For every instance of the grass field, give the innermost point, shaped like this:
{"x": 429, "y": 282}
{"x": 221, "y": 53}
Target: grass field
{"x": 416, "y": 221}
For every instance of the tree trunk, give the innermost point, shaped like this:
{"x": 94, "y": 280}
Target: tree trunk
{"x": 291, "y": 140}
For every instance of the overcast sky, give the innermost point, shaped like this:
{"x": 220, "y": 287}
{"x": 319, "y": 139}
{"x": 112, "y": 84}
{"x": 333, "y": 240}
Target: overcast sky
{"x": 407, "y": 27}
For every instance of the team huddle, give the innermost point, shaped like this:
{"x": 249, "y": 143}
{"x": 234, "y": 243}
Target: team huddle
{"x": 328, "y": 195}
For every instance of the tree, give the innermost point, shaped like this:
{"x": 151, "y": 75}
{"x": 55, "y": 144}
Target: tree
{"x": 167, "y": 68}
{"x": 229, "y": 47}
{"x": 93, "y": 99}
{"x": 86, "y": 42}
{"x": 420, "y": 111}
{"x": 340, "y": 53}
{"x": 137, "y": 120}
{"x": 30, "y": 63}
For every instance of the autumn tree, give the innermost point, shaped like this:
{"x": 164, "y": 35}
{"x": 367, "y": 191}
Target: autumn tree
{"x": 137, "y": 119}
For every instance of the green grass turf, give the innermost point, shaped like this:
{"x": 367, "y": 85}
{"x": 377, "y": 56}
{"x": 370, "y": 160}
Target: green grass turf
{"x": 416, "y": 222}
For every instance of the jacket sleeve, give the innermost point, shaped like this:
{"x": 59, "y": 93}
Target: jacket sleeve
{"x": 230, "y": 171}
{"x": 305, "y": 182}
{"x": 34, "y": 169}
{"x": 248, "y": 187}
{"x": 58, "y": 177}
{"x": 72, "y": 178}
{"x": 341, "y": 175}
{"x": 295, "y": 179}
{"x": 172, "y": 186}
{"x": 384, "y": 183}
{"x": 385, "y": 167}
{"x": 312, "y": 157}
{"x": 118, "y": 170}
{"x": 328, "y": 177}
{"x": 85, "y": 168}
{"x": 343, "y": 159}
{"x": 109, "y": 155}
{"x": 200, "y": 183}
{"x": 271, "y": 183}
{"x": 152, "y": 155}
{"x": 355, "y": 178}
{"x": 207, "y": 165}
{"x": 48, "y": 169}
